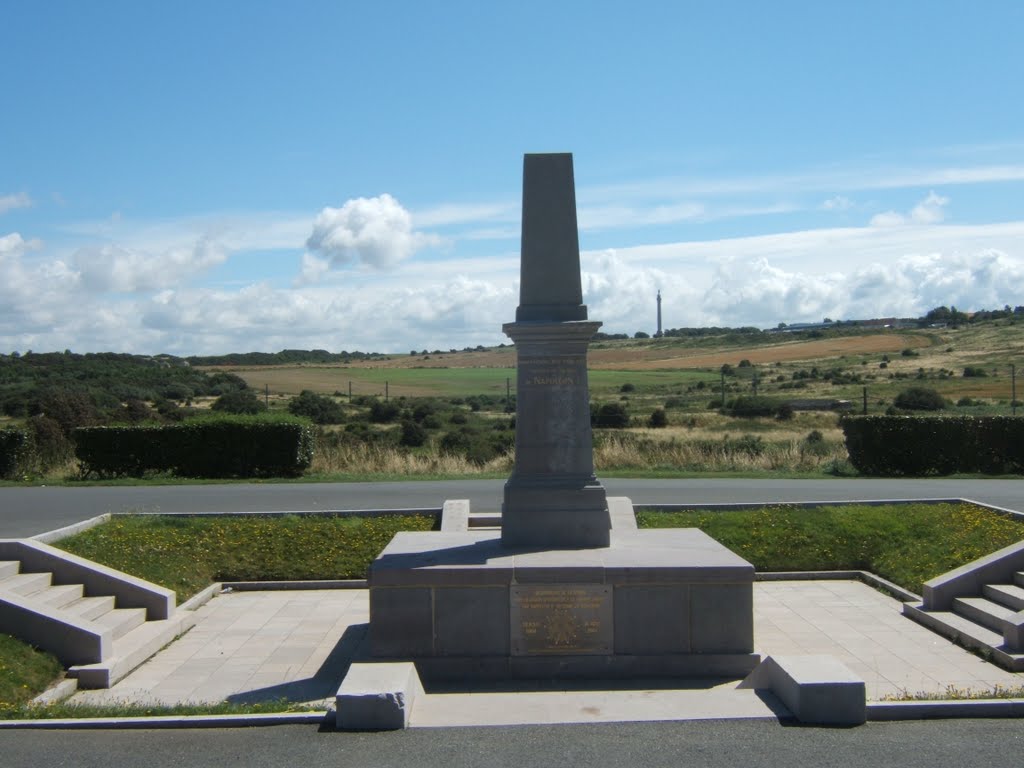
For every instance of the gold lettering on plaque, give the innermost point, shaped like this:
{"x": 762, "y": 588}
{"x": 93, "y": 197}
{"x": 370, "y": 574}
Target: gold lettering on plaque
{"x": 562, "y": 618}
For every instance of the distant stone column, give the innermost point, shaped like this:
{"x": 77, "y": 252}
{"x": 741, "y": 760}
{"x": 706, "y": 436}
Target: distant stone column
{"x": 552, "y": 499}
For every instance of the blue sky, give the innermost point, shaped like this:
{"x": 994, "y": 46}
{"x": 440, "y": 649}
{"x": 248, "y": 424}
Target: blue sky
{"x": 204, "y": 177}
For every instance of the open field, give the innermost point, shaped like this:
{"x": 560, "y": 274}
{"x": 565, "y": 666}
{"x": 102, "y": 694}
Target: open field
{"x": 882, "y": 361}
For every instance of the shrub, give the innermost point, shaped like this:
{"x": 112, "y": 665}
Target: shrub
{"x": 222, "y": 447}
{"x": 658, "y": 418}
{"x": 610, "y": 416}
{"x": 15, "y": 449}
{"x": 239, "y": 401}
{"x": 919, "y": 399}
{"x": 748, "y": 407}
{"x": 317, "y": 408}
{"x": 384, "y": 411}
{"x": 974, "y": 371}
{"x": 784, "y": 412}
{"x": 627, "y": 387}
{"x": 916, "y": 445}
{"x": 413, "y": 434}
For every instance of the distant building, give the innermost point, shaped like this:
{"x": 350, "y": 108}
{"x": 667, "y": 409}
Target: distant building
{"x": 658, "y": 334}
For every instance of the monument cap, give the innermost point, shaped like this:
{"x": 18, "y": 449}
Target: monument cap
{"x": 549, "y": 276}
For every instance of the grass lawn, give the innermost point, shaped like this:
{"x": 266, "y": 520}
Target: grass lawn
{"x": 907, "y": 543}
{"x": 187, "y": 554}
{"x": 24, "y": 673}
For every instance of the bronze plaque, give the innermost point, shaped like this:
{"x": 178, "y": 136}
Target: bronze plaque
{"x": 549, "y": 619}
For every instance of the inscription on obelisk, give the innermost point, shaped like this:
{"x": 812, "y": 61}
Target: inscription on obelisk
{"x": 552, "y": 499}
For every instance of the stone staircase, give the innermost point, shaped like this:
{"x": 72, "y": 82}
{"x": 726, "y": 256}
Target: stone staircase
{"x": 99, "y": 622}
{"x": 980, "y": 606}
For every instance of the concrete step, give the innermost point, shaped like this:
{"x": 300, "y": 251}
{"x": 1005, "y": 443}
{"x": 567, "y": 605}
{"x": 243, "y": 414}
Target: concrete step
{"x": 1018, "y": 578}
{"x": 60, "y": 595}
{"x": 1009, "y": 595}
{"x": 9, "y": 568}
{"x": 983, "y": 611}
{"x": 26, "y": 584}
{"x": 120, "y": 621}
{"x": 968, "y": 634}
{"x": 132, "y": 649}
{"x": 91, "y": 607}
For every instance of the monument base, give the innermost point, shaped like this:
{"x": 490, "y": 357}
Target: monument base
{"x": 654, "y": 603}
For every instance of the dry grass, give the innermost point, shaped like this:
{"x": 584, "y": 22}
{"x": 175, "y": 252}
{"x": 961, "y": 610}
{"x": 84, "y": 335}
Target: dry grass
{"x": 726, "y": 454}
{"x": 367, "y": 459}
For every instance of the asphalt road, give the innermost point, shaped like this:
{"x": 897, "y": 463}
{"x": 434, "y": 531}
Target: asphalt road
{"x": 28, "y": 511}
{"x": 708, "y": 744}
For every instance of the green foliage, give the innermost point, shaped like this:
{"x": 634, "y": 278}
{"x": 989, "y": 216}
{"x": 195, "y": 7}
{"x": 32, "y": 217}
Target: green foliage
{"x": 907, "y": 544}
{"x": 477, "y": 445}
{"x": 974, "y": 371}
{"x": 239, "y": 401}
{"x": 413, "y": 434}
{"x": 223, "y": 447}
{"x": 915, "y": 445}
{"x": 186, "y": 554}
{"x": 658, "y": 418}
{"x": 319, "y": 409}
{"x": 15, "y": 450}
{"x": 384, "y": 411}
{"x": 609, "y": 416}
{"x": 752, "y": 406}
{"x": 919, "y": 399}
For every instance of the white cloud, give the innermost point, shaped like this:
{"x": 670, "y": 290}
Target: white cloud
{"x": 758, "y": 293}
{"x": 118, "y": 269}
{"x": 16, "y": 200}
{"x": 376, "y": 232}
{"x": 837, "y": 203}
{"x": 888, "y": 219}
{"x": 928, "y": 211}
{"x": 14, "y": 245}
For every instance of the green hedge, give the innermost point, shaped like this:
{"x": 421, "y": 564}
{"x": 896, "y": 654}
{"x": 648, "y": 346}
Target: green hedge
{"x": 224, "y": 447}
{"x": 923, "y": 445}
{"x": 15, "y": 451}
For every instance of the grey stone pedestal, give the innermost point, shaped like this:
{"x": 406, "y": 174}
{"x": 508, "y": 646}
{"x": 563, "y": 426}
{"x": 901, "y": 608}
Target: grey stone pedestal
{"x": 463, "y": 606}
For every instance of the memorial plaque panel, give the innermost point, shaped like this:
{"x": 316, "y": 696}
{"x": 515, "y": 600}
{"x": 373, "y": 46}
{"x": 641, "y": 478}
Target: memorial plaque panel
{"x": 561, "y": 619}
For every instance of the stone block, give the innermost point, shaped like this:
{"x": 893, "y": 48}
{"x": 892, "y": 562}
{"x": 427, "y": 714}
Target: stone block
{"x": 377, "y": 696}
{"x": 401, "y": 622}
{"x": 652, "y": 619}
{"x": 722, "y": 618}
{"x": 818, "y": 690}
{"x": 471, "y": 621}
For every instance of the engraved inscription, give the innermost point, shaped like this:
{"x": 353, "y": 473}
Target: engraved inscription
{"x": 551, "y": 371}
{"x": 561, "y": 619}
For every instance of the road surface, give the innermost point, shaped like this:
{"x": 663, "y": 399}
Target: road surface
{"x": 708, "y": 744}
{"x": 27, "y": 511}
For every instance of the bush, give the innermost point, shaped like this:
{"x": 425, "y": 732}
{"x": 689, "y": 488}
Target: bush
{"x": 224, "y": 447}
{"x": 15, "y": 449}
{"x": 239, "y": 401}
{"x": 627, "y": 387}
{"x": 384, "y": 411}
{"x": 317, "y": 408}
{"x": 916, "y": 445}
{"x": 413, "y": 434}
{"x": 919, "y": 399}
{"x": 974, "y": 371}
{"x": 610, "y": 416}
{"x": 658, "y": 418}
{"x": 748, "y": 407}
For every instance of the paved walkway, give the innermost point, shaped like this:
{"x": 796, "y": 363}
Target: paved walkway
{"x": 296, "y": 645}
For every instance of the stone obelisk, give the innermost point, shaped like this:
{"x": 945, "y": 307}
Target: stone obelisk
{"x": 552, "y": 499}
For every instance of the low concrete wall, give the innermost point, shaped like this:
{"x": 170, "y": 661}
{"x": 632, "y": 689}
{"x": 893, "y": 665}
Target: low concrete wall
{"x": 66, "y": 568}
{"x": 73, "y": 641}
{"x": 968, "y": 580}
